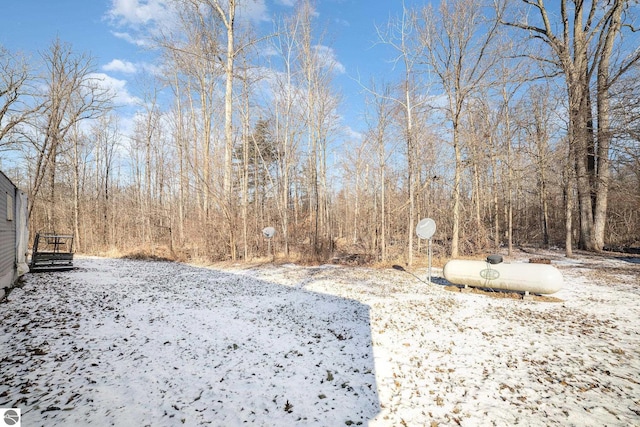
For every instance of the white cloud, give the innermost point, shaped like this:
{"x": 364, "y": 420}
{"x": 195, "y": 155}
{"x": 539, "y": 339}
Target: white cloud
{"x": 353, "y": 134}
{"x": 289, "y": 3}
{"x": 141, "y": 20}
{"x": 327, "y": 57}
{"x": 121, "y": 66}
{"x": 144, "y": 18}
{"x": 137, "y": 12}
{"x": 118, "y": 89}
{"x": 127, "y": 67}
{"x": 255, "y": 11}
{"x": 130, "y": 39}
{"x": 268, "y": 51}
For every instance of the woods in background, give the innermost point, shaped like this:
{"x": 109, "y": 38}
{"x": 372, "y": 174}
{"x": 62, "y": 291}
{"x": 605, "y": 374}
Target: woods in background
{"x": 512, "y": 124}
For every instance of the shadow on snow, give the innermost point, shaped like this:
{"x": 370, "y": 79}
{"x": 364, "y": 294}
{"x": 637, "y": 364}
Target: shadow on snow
{"x": 136, "y": 342}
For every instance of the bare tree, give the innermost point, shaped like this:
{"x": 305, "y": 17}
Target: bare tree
{"x": 401, "y": 35}
{"x": 537, "y": 122}
{"x": 587, "y": 46}
{"x": 105, "y": 135}
{"x": 459, "y": 41}
{"x": 194, "y": 69}
{"x": 287, "y": 130}
{"x": 194, "y": 53}
{"x": 376, "y": 139}
{"x": 73, "y": 94}
{"x": 319, "y": 115}
{"x": 15, "y": 78}
{"x": 226, "y": 12}
{"x": 623, "y": 221}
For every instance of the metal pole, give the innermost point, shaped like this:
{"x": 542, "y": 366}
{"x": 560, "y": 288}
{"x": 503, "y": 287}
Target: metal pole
{"x": 429, "y": 257}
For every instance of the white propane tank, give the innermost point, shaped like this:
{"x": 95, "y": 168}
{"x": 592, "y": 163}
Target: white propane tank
{"x": 523, "y": 277}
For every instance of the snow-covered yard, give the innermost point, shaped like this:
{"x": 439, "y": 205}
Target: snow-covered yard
{"x": 134, "y": 343}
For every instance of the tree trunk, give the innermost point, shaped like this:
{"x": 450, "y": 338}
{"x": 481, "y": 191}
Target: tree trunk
{"x": 568, "y": 202}
{"x": 76, "y": 196}
{"x": 457, "y": 178}
{"x": 603, "y": 131}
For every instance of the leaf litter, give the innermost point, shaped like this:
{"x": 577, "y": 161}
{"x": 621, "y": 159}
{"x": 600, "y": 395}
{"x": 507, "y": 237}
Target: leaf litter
{"x": 134, "y": 342}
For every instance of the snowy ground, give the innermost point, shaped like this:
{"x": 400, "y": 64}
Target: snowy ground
{"x": 134, "y": 343}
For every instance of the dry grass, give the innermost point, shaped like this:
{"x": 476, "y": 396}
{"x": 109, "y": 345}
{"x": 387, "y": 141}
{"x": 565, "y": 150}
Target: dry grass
{"x": 611, "y": 276}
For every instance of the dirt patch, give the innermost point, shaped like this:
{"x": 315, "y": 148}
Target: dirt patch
{"x": 540, "y": 261}
{"x": 492, "y": 293}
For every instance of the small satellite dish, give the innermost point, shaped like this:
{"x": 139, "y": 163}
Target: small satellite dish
{"x": 269, "y": 232}
{"x": 425, "y": 228}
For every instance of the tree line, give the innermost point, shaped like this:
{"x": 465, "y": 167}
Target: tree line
{"x": 507, "y": 122}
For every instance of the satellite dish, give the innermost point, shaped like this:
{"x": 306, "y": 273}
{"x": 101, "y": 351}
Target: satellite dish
{"x": 269, "y": 232}
{"x": 425, "y": 228}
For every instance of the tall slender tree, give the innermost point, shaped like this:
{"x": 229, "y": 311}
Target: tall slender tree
{"x": 402, "y": 35}
{"x": 460, "y": 42}
{"x": 584, "y": 43}
{"x": 73, "y": 94}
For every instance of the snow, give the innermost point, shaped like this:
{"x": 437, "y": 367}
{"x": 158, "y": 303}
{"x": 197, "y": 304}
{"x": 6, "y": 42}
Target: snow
{"x": 134, "y": 343}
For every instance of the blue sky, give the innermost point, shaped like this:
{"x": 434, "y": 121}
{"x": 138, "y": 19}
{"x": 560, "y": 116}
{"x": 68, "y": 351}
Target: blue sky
{"x": 107, "y": 30}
